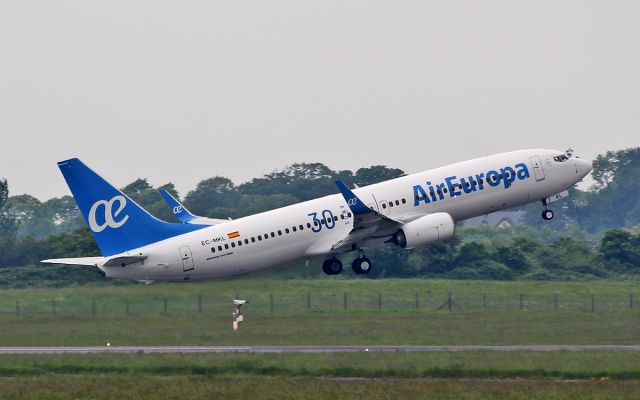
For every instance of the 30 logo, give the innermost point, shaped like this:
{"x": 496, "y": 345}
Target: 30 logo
{"x": 109, "y": 214}
{"x": 177, "y": 209}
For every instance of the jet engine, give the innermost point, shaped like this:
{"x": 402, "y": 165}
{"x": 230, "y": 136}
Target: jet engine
{"x": 425, "y": 230}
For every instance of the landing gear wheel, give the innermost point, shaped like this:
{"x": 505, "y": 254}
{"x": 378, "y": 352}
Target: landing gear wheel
{"x": 547, "y": 215}
{"x": 332, "y": 266}
{"x": 361, "y": 265}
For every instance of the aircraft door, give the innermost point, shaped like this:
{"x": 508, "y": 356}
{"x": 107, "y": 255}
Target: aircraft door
{"x": 187, "y": 258}
{"x": 537, "y": 168}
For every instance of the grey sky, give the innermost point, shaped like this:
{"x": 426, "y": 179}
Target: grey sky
{"x": 182, "y": 91}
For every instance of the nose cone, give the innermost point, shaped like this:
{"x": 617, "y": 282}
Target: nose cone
{"x": 583, "y": 167}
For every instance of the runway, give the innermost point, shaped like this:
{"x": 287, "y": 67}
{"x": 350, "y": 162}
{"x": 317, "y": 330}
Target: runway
{"x": 306, "y": 349}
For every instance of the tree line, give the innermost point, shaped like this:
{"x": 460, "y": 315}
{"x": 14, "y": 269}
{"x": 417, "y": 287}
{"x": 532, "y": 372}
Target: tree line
{"x": 595, "y": 234}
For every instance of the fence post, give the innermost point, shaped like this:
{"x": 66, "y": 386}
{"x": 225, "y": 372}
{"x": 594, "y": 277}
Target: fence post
{"x": 555, "y": 302}
{"x": 345, "y": 300}
{"x": 165, "y": 306}
{"x": 17, "y": 308}
{"x": 126, "y": 305}
{"x": 417, "y": 300}
{"x": 53, "y": 307}
{"x": 308, "y": 300}
{"x": 484, "y": 301}
{"x": 449, "y": 301}
{"x": 200, "y": 303}
{"x": 631, "y": 300}
{"x": 271, "y": 302}
{"x": 521, "y": 301}
{"x": 93, "y": 306}
{"x": 379, "y": 300}
{"x": 593, "y": 303}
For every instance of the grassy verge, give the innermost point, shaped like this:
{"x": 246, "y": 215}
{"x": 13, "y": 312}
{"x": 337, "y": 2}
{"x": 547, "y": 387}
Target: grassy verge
{"x": 314, "y": 312}
{"x": 251, "y": 387}
{"x": 617, "y": 365}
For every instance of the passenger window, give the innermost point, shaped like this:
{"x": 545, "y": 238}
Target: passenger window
{"x": 226, "y": 246}
{"x": 213, "y": 249}
{"x": 390, "y": 204}
{"x": 301, "y": 227}
{"x": 253, "y": 240}
{"x": 404, "y": 201}
{"x": 286, "y": 230}
{"x": 348, "y": 215}
{"x": 315, "y": 222}
{"x": 219, "y": 248}
{"x": 322, "y": 221}
{"x": 445, "y": 190}
{"x": 233, "y": 244}
{"x": 384, "y": 205}
{"x": 239, "y": 243}
{"x": 246, "y": 241}
{"x": 294, "y": 228}
{"x": 266, "y": 236}
{"x": 308, "y": 224}
{"x": 279, "y": 232}
{"x": 273, "y": 234}
{"x": 259, "y": 238}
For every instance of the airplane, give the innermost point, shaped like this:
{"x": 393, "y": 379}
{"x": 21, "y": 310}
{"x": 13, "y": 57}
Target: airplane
{"x": 411, "y": 211}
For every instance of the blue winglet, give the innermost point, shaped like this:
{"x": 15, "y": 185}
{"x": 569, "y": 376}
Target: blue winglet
{"x": 177, "y": 208}
{"x": 355, "y": 204}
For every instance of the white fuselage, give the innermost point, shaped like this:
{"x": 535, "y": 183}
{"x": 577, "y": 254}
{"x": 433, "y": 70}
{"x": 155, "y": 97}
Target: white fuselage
{"x": 268, "y": 239}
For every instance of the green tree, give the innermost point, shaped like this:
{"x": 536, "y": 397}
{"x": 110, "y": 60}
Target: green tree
{"x": 215, "y": 197}
{"x": 8, "y": 223}
{"x": 620, "y": 250}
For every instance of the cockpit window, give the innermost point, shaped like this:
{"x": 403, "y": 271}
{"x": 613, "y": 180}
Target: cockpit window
{"x": 561, "y": 158}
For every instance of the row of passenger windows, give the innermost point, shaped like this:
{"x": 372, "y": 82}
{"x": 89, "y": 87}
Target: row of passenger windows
{"x": 391, "y": 203}
{"x": 279, "y": 232}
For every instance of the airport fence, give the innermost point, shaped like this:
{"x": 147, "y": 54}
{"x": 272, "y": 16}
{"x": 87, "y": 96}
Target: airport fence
{"x": 285, "y": 302}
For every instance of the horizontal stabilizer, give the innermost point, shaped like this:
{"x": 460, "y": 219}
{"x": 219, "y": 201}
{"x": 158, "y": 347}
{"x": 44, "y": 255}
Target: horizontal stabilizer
{"x": 89, "y": 261}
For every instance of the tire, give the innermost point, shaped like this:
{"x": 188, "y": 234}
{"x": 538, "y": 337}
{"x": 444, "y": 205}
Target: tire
{"x": 332, "y": 266}
{"x": 361, "y": 266}
{"x": 547, "y": 215}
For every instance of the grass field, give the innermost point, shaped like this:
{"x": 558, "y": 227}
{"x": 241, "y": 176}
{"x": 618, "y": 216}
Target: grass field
{"x": 314, "y": 312}
{"x": 464, "y": 375}
{"x": 339, "y": 311}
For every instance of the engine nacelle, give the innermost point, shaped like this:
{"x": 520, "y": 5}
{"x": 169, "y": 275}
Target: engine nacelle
{"x": 425, "y": 230}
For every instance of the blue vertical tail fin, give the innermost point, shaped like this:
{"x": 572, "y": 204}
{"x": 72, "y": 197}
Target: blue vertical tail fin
{"x": 117, "y": 223}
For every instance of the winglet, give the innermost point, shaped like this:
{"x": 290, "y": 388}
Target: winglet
{"x": 177, "y": 208}
{"x": 355, "y": 204}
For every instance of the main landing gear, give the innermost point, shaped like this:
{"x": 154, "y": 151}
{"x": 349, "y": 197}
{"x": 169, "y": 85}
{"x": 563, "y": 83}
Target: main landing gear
{"x": 361, "y": 265}
{"x": 332, "y": 266}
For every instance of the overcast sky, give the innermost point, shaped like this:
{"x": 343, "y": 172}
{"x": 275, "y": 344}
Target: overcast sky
{"x": 184, "y": 90}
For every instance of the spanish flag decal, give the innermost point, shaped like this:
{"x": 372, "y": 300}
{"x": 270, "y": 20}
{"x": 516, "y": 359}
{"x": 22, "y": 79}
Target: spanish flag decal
{"x": 233, "y": 235}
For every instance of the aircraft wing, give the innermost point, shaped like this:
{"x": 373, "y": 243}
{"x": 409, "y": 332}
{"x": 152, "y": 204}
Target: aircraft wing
{"x": 184, "y": 215}
{"x": 368, "y": 225}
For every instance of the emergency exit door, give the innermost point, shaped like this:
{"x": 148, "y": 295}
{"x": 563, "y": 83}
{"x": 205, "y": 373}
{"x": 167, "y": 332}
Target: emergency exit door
{"x": 187, "y": 258}
{"x": 538, "y": 172}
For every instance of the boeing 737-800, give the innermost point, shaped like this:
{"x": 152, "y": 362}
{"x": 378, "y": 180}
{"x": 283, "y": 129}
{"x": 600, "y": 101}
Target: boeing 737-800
{"x": 411, "y": 211}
